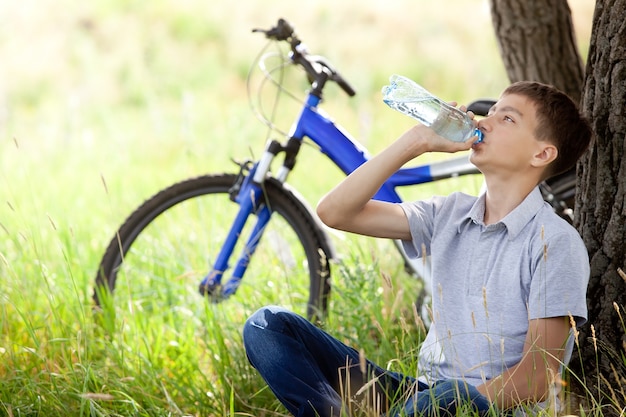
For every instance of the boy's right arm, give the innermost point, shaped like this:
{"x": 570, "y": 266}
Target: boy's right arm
{"x": 349, "y": 206}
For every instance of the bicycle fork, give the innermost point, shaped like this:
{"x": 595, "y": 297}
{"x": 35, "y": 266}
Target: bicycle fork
{"x": 249, "y": 194}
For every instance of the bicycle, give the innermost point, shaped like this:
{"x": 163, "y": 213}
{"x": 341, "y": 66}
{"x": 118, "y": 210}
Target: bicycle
{"x": 255, "y": 193}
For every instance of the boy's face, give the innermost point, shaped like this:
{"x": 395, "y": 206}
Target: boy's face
{"x": 509, "y": 137}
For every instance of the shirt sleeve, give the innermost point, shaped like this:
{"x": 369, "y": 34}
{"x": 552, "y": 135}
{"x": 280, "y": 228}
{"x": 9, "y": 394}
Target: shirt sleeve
{"x": 559, "y": 278}
{"x": 421, "y": 218}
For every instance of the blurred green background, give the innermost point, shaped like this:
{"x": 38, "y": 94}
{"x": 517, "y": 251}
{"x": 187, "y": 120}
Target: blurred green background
{"x": 140, "y": 93}
{"x": 105, "y": 102}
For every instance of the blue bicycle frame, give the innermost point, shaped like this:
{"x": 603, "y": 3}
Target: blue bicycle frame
{"x": 345, "y": 152}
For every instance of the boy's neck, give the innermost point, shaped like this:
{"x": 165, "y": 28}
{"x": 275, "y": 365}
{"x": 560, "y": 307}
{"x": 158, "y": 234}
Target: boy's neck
{"x": 502, "y": 197}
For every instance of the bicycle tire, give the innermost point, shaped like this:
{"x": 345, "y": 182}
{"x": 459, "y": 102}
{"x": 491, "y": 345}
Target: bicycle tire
{"x": 289, "y": 213}
{"x": 560, "y": 192}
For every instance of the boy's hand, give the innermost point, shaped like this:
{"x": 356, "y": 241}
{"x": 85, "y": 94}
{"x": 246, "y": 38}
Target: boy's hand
{"x": 420, "y": 139}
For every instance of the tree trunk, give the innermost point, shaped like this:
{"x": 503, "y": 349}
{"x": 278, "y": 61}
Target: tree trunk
{"x": 601, "y": 213}
{"x": 536, "y": 41}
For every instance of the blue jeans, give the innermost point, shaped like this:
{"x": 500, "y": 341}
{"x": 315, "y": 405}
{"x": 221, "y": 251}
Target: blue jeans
{"x": 312, "y": 373}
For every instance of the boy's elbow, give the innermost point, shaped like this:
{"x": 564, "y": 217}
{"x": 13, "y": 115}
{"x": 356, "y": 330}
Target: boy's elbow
{"x": 326, "y": 213}
{"x": 333, "y": 213}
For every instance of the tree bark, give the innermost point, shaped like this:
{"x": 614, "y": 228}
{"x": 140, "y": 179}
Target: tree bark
{"x": 536, "y": 41}
{"x": 601, "y": 213}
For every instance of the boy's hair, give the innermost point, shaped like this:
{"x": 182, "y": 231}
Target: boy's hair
{"x": 559, "y": 122}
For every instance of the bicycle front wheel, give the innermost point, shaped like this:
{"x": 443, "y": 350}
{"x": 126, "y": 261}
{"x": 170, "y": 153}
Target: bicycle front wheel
{"x": 163, "y": 250}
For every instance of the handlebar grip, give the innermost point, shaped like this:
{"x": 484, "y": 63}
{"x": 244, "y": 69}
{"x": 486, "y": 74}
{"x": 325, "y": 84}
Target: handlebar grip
{"x": 481, "y": 107}
{"x": 346, "y": 87}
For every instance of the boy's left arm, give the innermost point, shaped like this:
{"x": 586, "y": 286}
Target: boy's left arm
{"x": 530, "y": 379}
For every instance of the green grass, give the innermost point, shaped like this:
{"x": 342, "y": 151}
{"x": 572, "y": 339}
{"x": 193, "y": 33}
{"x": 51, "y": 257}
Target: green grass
{"x": 103, "y": 103}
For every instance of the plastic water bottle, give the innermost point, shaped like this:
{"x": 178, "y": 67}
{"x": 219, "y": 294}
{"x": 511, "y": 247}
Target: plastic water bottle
{"x": 410, "y": 98}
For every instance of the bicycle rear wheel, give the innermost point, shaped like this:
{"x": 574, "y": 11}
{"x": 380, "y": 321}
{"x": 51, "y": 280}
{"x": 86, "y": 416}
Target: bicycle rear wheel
{"x": 560, "y": 192}
{"x": 162, "y": 251}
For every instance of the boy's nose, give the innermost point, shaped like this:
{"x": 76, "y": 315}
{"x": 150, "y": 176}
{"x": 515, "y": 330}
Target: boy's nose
{"x": 483, "y": 125}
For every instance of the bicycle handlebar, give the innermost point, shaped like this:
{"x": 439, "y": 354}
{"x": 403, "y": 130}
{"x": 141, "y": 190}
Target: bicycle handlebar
{"x": 318, "y": 69}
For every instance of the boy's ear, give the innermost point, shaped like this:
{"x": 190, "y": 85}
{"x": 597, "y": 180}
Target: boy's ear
{"x": 545, "y": 155}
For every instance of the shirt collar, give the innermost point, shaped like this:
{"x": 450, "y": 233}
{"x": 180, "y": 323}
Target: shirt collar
{"x": 515, "y": 220}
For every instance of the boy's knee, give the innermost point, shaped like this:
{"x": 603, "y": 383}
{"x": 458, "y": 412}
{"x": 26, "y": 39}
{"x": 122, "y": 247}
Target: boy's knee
{"x": 265, "y": 318}
{"x": 265, "y": 333}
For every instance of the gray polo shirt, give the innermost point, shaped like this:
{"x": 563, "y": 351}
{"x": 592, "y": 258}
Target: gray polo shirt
{"x": 489, "y": 280}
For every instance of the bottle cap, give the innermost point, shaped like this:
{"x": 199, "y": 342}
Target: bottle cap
{"x": 479, "y": 133}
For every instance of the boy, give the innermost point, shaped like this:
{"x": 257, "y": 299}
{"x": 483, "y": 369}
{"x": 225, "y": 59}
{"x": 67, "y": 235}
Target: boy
{"x": 509, "y": 276}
